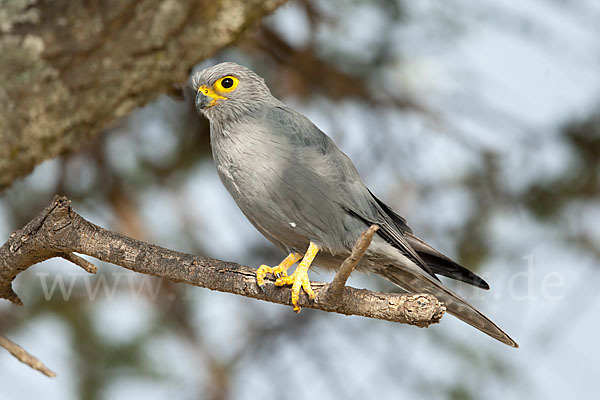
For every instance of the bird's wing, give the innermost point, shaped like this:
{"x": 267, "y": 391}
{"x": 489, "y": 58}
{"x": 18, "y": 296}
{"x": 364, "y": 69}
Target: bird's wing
{"x": 328, "y": 173}
{"x": 398, "y": 220}
{"x": 437, "y": 262}
{"x": 443, "y": 265}
{"x": 334, "y": 174}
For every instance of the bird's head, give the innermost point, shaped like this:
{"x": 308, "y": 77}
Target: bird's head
{"x": 228, "y": 90}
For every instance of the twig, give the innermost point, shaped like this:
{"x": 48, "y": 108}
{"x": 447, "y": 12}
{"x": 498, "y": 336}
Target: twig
{"x": 360, "y": 247}
{"x": 22, "y": 355}
{"x": 81, "y": 262}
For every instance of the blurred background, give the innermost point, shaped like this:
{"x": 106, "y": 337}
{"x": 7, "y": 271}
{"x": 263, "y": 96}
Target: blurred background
{"x": 477, "y": 121}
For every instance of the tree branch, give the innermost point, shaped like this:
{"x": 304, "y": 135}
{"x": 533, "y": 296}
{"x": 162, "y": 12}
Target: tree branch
{"x": 68, "y": 70}
{"x": 22, "y": 355}
{"x": 58, "y": 231}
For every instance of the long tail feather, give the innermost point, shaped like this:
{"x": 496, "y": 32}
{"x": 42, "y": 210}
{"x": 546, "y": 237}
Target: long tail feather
{"x": 457, "y": 306}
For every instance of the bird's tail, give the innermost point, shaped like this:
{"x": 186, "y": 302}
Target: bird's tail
{"x": 419, "y": 283}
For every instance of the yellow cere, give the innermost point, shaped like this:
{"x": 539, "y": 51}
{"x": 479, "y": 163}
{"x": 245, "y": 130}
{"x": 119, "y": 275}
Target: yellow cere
{"x": 211, "y": 93}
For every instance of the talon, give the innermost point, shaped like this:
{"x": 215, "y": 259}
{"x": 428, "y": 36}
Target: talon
{"x": 278, "y": 271}
{"x": 262, "y": 288}
{"x": 261, "y": 272}
{"x": 281, "y": 269}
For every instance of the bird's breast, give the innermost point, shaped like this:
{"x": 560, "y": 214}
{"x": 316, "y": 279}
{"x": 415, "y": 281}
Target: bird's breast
{"x": 249, "y": 162}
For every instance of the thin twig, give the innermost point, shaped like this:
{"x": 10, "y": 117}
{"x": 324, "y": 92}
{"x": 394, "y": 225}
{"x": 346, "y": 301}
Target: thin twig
{"x": 22, "y": 355}
{"x": 81, "y": 262}
{"x": 360, "y": 247}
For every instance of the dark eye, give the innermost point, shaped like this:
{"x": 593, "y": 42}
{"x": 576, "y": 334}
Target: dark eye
{"x": 227, "y": 83}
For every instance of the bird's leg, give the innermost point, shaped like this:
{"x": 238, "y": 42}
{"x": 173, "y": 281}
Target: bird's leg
{"x": 278, "y": 271}
{"x": 299, "y": 279}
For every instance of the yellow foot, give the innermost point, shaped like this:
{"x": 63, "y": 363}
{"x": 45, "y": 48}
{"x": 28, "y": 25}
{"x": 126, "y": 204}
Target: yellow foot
{"x": 278, "y": 271}
{"x": 299, "y": 279}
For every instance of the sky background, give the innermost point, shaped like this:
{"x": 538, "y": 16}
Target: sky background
{"x": 477, "y": 121}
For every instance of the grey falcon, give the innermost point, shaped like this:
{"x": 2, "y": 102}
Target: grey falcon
{"x": 305, "y": 196}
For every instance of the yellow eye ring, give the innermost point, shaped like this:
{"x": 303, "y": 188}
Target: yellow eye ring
{"x": 227, "y": 83}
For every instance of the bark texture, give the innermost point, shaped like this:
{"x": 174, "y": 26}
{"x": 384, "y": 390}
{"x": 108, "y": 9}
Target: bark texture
{"x": 58, "y": 231}
{"x": 70, "y": 68}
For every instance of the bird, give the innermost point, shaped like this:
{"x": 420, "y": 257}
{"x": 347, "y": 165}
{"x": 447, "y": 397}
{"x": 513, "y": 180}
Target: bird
{"x": 303, "y": 194}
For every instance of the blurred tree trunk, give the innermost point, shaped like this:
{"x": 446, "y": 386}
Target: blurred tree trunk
{"x": 69, "y": 68}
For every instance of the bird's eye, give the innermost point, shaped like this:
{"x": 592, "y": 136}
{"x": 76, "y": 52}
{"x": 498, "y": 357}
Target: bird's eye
{"x": 227, "y": 83}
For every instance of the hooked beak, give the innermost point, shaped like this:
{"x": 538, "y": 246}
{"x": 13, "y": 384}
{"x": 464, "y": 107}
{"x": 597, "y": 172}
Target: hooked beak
{"x": 207, "y": 97}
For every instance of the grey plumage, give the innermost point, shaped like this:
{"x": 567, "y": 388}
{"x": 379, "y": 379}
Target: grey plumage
{"x": 295, "y": 186}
